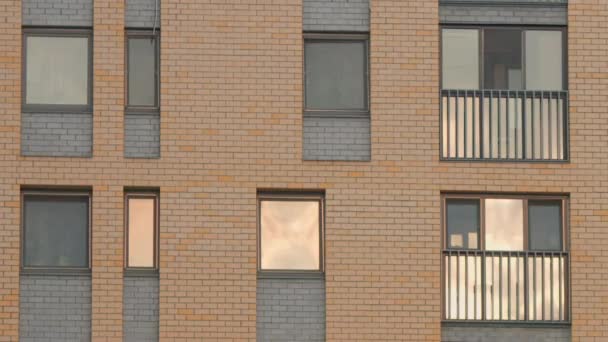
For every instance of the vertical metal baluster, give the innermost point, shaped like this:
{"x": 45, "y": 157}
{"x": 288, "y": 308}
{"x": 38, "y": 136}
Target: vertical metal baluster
{"x": 559, "y": 269}
{"x": 457, "y": 131}
{"x": 490, "y": 107}
{"x": 517, "y": 282}
{"x": 492, "y": 288}
{"x": 500, "y": 286}
{"x": 551, "y": 284}
{"x": 475, "y": 290}
{"x": 526, "y": 293}
{"x": 509, "y": 286}
{"x": 458, "y": 284}
{"x": 449, "y": 314}
{"x": 508, "y": 116}
{"x": 483, "y": 287}
{"x": 550, "y": 114}
{"x": 524, "y": 116}
{"x": 542, "y": 126}
{"x": 481, "y": 132}
{"x": 449, "y": 141}
{"x": 499, "y": 132}
{"x": 532, "y": 119}
{"x": 535, "y": 294}
{"x": 466, "y": 113}
{"x": 466, "y": 285}
{"x": 542, "y": 282}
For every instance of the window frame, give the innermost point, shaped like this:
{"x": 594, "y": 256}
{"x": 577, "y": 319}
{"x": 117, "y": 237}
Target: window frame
{"x": 285, "y": 196}
{"x": 564, "y": 198}
{"x": 482, "y": 224}
{"x": 60, "y": 33}
{"x": 329, "y": 38}
{"x": 55, "y": 194}
{"x": 140, "y": 34}
{"x": 522, "y": 29}
{"x": 129, "y": 194}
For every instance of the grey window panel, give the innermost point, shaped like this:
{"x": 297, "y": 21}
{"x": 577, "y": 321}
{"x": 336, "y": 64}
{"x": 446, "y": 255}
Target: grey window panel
{"x": 57, "y": 70}
{"x": 55, "y": 231}
{"x": 545, "y": 225}
{"x": 462, "y": 223}
{"x": 544, "y": 60}
{"x": 336, "y": 75}
{"x": 142, "y": 71}
{"x": 460, "y": 59}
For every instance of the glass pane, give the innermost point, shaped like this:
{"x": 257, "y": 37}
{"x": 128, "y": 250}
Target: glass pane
{"x": 462, "y": 223}
{"x": 545, "y": 225}
{"x": 502, "y": 59}
{"x": 460, "y": 58}
{"x": 544, "y": 60}
{"x": 336, "y": 75}
{"x": 142, "y": 72}
{"x": 57, "y": 70}
{"x": 56, "y": 231}
{"x": 141, "y": 232}
{"x": 504, "y": 224}
{"x": 289, "y": 235}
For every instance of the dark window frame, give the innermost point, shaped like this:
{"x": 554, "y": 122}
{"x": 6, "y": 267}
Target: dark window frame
{"x": 333, "y": 38}
{"x": 482, "y": 225}
{"x": 565, "y": 248}
{"x": 522, "y": 28}
{"x": 284, "y": 196}
{"x": 59, "y": 194}
{"x": 130, "y": 194}
{"x": 140, "y": 34}
{"x": 62, "y": 33}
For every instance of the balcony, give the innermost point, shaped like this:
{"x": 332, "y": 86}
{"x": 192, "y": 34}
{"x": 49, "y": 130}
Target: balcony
{"x": 505, "y": 286}
{"x": 504, "y": 125}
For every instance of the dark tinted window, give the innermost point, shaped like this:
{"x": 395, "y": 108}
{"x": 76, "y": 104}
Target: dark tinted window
{"x": 545, "y": 225}
{"x": 462, "y": 223}
{"x": 503, "y": 59}
{"x": 142, "y": 71}
{"x": 56, "y": 230}
{"x": 336, "y": 75}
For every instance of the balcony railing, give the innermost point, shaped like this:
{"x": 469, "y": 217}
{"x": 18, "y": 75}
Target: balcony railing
{"x": 505, "y": 286}
{"x": 510, "y": 125}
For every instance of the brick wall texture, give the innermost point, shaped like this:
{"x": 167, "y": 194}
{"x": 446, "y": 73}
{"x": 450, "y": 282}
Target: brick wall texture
{"x": 336, "y": 15}
{"x": 142, "y": 136}
{"x": 231, "y": 123}
{"x": 336, "y": 139}
{"x": 140, "y": 308}
{"x": 140, "y": 13}
{"x": 504, "y": 333}
{"x": 55, "y": 308}
{"x": 57, "y": 134}
{"x": 58, "y": 12}
{"x": 544, "y": 13}
{"x": 290, "y": 310}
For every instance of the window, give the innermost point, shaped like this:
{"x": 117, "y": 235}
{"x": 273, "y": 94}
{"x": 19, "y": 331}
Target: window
{"x": 336, "y": 75}
{"x": 55, "y": 230}
{"x": 142, "y": 230}
{"x": 290, "y": 232}
{"x": 57, "y": 70}
{"x": 507, "y": 58}
{"x": 505, "y": 258}
{"x": 142, "y": 71}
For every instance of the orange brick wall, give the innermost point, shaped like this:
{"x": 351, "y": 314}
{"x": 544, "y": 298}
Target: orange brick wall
{"x": 231, "y": 122}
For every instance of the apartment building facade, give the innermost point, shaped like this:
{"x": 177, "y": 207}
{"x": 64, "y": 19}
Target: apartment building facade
{"x": 303, "y": 170}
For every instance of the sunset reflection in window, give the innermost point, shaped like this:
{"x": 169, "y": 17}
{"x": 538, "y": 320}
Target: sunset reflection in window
{"x": 289, "y": 235}
{"x": 141, "y": 218}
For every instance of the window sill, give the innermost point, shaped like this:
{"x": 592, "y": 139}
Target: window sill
{"x": 290, "y": 275}
{"x": 56, "y": 271}
{"x": 144, "y": 273}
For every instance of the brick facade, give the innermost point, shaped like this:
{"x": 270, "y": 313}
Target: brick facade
{"x": 231, "y": 123}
